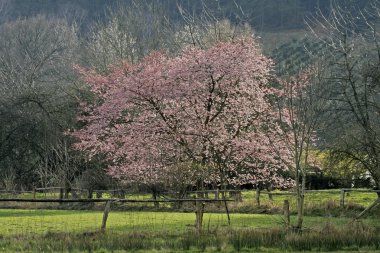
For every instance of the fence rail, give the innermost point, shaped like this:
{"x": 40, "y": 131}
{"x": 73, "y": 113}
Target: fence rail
{"x": 121, "y": 193}
{"x": 112, "y": 200}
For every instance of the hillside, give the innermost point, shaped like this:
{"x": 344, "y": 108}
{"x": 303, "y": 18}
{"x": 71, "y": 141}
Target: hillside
{"x": 264, "y": 15}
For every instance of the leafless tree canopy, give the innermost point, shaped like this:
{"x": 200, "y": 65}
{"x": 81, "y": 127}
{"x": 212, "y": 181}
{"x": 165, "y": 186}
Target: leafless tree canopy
{"x": 36, "y": 57}
{"x": 351, "y": 64}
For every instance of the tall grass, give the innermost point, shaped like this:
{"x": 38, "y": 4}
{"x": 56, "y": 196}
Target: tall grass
{"x": 329, "y": 238}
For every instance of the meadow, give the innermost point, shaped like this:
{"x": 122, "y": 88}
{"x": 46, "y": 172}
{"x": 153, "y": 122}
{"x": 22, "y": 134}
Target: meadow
{"x": 142, "y": 228}
{"x": 16, "y": 222}
{"x": 78, "y": 231}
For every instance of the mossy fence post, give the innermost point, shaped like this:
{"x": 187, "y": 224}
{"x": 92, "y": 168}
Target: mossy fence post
{"x": 341, "y": 203}
{"x": 216, "y": 194}
{"x": 286, "y": 213}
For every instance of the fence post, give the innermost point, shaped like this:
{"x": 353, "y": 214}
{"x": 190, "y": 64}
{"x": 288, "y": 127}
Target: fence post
{"x": 341, "y": 205}
{"x": 34, "y": 192}
{"x": 286, "y": 213}
{"x": 227, "y": 212}
{"x": 217, "y": 194}
{"x": 105, "y": 216}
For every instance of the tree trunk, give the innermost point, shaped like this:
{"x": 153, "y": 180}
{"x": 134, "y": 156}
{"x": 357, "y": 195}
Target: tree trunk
{"x": 270, "y": 196}
{"x": 156, "y": 195}
{"x": 67, "y": 190}
{"x": 199, "y": 209}
{"x": 257, "y": 196}
{"x": 90, "y": 193}
{"x": 105, "y": 216}
{"x": 300, "y": 202}
{"x": 61, "y": 193}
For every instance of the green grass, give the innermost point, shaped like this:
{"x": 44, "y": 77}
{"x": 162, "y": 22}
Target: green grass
{"x": 324, "y": 237}
{"x": 78, "y": 231}
{"x": 316, "y": 203}
{"x": 16, "y": 221}
{"x": 40, "y": 221}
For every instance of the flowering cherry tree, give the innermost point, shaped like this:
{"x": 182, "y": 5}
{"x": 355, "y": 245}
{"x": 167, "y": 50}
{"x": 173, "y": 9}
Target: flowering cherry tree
{"x": 208, "y": 107}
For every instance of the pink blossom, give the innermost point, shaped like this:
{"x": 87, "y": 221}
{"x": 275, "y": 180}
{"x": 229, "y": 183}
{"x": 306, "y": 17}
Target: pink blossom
{"x": 209, "y": 107}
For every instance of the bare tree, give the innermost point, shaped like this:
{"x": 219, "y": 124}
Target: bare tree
{"x": 36, "y": 85}
{"x": 208, "y": 27}
{"x": 301, "y": 104}
{"x": 132, "y": 31}
{"x": 129, "y": 33}
{"x": 59, "y": 166}
{"x": 352, "y": 66}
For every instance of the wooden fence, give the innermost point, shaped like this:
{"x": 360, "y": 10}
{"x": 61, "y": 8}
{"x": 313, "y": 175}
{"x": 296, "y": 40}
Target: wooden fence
{"x": 198, "y": 203}
{"x": 217, "y": 194}
{"x": 236, "y": 194}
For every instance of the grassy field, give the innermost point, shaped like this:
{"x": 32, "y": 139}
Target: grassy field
{"x": 21, "y": 222}
{"x": 317, "y": 202}
{"x": 78, "y": 231}
{"x": 142, "y": 228}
